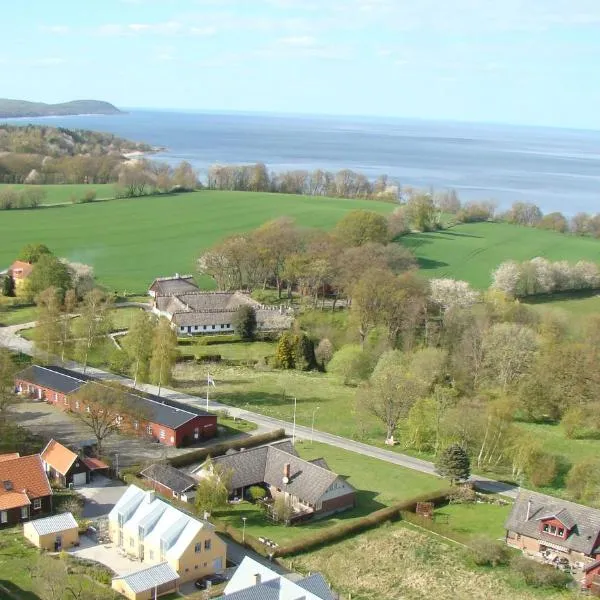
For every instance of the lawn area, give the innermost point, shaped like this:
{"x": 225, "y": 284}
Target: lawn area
{"x": 242, "y": 351}
{"x": 129, "y": 242}
{"x": 17, "y": 557}
{"x": 574, "y": 304}
{"x": 395, "y": 562}
{"x": 378, "y": 484}
{"x": 15, "y": 315}
{"x": 472, "y": 251}
{"x": 472, "y": 519}
{"x": 59, "y": 194}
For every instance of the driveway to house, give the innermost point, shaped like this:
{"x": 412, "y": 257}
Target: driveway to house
{"x": 100, "y": 496}
{"x": 9, "y": 338}
{"x": 107, "y": 555}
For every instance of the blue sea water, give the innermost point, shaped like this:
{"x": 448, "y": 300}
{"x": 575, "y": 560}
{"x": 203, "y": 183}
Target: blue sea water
{"x": 558, "y": 169}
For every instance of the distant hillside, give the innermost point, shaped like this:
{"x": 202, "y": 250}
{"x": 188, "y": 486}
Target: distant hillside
{"x": 21, "y": 108}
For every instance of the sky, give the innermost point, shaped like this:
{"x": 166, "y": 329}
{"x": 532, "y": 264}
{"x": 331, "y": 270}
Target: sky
{"x": 515, "y": 61}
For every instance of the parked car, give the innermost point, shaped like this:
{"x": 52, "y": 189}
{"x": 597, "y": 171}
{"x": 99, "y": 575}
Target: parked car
{"x": 203, "y": 582}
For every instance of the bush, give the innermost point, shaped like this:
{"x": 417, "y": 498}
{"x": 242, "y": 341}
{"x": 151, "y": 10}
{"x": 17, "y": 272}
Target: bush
{"x": 203, "y": 358}
{"x": 256, "y": 492}
{"x": 489, "y": 553}
{"x": 185, "y": 358}
{"x": 538, "y": 575}
{"x": 89, "y": 196}
{"x": 202, "y": 453}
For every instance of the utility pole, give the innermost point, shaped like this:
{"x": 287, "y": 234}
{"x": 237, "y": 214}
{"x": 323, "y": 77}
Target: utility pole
{"x": 312, "y": 427}
{"x": 294, "y": 428}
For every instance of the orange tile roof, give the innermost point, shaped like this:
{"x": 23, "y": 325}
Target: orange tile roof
{"x": 9, "y": 456}
{"x": 27, "y": 478}
{"x": 58, "y": 457}
{"x": 10, "y": 500}
{"x": 94, "y": 463}
{"x": 23, "y": 269}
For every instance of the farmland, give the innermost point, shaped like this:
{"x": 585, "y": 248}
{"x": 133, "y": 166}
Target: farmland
{"x": 472, "y": 251}
{"x": 129, "y": 242}
{"x": 59, "y": 194}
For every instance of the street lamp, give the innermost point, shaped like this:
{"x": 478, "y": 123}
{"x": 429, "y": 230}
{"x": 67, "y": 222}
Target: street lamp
{"x": 117, "y": 464}
{"x": 294, "y": 428}
{"x": 312, "y": 427}
{"x": 244, "y": 530}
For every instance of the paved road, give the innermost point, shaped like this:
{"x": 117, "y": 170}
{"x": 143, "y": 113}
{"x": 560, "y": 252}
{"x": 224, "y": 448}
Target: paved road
{"x": 9, "y": 338}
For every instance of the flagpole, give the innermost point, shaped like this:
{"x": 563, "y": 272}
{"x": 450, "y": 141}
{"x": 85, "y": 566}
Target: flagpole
{"x": 207, "y": 388}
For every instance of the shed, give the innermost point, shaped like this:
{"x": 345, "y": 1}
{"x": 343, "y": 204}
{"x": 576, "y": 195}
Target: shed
{"x": 149, "y": 583}
{"x": 53, "y": 533}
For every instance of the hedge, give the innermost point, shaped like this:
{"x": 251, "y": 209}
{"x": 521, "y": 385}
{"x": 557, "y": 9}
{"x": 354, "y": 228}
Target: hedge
{"x": 343, "y": 530}
{"x": 218, "y": 449}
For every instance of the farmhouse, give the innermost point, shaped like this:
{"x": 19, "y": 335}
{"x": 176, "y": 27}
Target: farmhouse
{"x": 25, "y": 492}
{"x": 160, "y": 419}
{"x": 154, "y": 532}
{"x": 169, "y": 481}
{"x": 53, "y": 533}
{"x": 194, "y": 312}
{"x": 253, "y": 580}
{"x": 540, "y": 523}
{"x": 20, "y": 271}
{"x": 309, "y": 487}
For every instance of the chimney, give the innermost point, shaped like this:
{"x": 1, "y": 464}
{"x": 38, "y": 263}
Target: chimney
{"x": 257, "y": 578}
{"x": 150, "y": 496}
{"x": 529, "y": 503}
{"x": 286, "y": 470}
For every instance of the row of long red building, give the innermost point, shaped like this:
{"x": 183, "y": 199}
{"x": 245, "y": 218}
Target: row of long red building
{"x": 162, "y": 420}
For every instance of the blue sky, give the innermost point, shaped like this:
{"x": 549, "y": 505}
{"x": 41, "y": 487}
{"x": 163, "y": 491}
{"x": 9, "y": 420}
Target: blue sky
{"x": 519, "y": 61}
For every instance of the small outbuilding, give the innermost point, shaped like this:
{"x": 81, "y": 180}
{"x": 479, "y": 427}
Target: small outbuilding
{"x": 53, "y": 533}
{"x": 169, "y": 481}
{"x": 64, "y": 466}
{"x": 149, "y": 583}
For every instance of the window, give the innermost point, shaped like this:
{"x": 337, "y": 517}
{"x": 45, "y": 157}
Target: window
{"x": 162, "y": 434}
{"x": 55, "y": 397}
{"x": 204, "y": 327}
{"x": 87, "y": 409}
{"x": 66, "y": 400}
{"x": 149, "y": 429}
{"x": 118, "y": 420}
{"x": 135, "y": 424}
{"x": 172, "y": 440}
{"x": 187, "y": 570}
{"x": 207, "y": 544}
{"x": 553, "y": 529}
{"x": 37, "y": 504}
{"x": 77, "y": 404}
{"x": 214, "y": 326}
{"x": 198, "y": 548}
{"x": 3, "y": 517}
{"x": 561, "y": 531}
{"x": 174, "y": 494}
{"x": 195, "y": 566}
{"x": 24, "y": 512}
{"x": 546, "y": 527}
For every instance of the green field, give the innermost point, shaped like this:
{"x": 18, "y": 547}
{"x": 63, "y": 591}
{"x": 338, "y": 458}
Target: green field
{"x": 59, "y": 194}
{"x": 472, "y": 251}
{"x": 130, "y": 242}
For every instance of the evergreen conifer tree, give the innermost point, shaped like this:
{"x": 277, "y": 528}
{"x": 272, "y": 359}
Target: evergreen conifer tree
{"x": 453, "y": 464}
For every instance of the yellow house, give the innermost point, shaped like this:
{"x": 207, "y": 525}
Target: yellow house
{"x": 53, "y": 533}
{"x": 155, "y": 532}
{"x": 147, "y": 584}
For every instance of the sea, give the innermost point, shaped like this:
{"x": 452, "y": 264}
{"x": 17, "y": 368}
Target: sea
{"x": 557, "y": 169}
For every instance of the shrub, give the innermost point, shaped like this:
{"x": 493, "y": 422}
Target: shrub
{"x": 256, "y": 492}
{"x": 462, "y": 494}
{"x": 203, "y": 358}
{"x": 324, "y": 352}
{"x": 89, "y": 196}
{"x": 538, "y": 575}
{"x": 541, "y": 468}
{"x": 489, "y": 553}
{"x": 201, "y": 454}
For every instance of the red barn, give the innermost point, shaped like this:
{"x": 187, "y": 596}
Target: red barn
{"x": 166, "y": 421}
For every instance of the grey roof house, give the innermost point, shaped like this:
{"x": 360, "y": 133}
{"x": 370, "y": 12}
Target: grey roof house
{"x": 192, "y": 311}
{"x": 171, "y": 481}
{"x": 538, "y": 522}
{"x": 310, "y": 486}
{"x": 254, "y": 581}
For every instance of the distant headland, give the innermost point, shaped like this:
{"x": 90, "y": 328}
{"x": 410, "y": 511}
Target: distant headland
{"x": 21, "y": 108}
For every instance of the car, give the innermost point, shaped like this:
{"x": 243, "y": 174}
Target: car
{"x": 203, "y": 582}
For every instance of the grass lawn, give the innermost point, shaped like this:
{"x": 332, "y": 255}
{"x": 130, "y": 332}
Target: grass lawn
{"x": 573, "y": 304}
{"x": 129, "y": 242}
{"x": 16, "y": 315}
{"x": 395, "y": 562}
{"x": 471, "y": 519}
{"x": 378, "y": 484}
{"x": 242, "y": 351}
{"x": 58, "y": 194}
{"x": 472, "y": 251}
{"x": 16, "y": 557}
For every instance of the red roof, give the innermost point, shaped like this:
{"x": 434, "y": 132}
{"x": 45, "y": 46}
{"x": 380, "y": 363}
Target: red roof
{"x": 22, "y": 479}
{"x": 20, "y": 269}
{"x": 4, "y": 457}
{"x": 58, "y": 457}
{"x": 94, "y": 463}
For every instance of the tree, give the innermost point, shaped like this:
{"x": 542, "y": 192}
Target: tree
{"x": 282, "y": 509}
{"x": 421, "y": 212}
{"x": 164, "y": 351}
{"x": 212, "y": 490}
{"x": 352, "y": 363}
{"x": 185, "y": 177}
{"x": 244, "y": 322}
{"x": 583, "y": 481}
{"x": 93, "y": 325}
{"x": 31, "y": 253}
{"x": 450, "y": 292}
{"x": 8, "y": 286}
{"x": 284, "y": 353}
{"x": 48, "y": 272}
{"x": 47, "y": 334}
{"x": 359, "y": 227}
{"x": 554, "y": 221}
{"x": 82, "y": 277}
{"x": 453, "y": 464}
{"x": 324, "y": 352}
{"x": 101, "y": 408}
{"x": 138, "y": 345}
{"x": 524, "y": 213}
{"x": 68, "y": 310}
{"x": 7, "y": 381}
